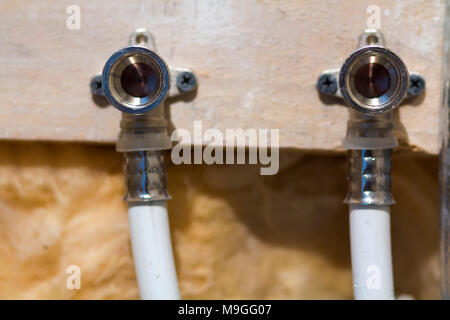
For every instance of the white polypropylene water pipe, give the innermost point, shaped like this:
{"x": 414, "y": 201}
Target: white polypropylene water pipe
{"x": 371, "y": 252}
{"x": 152, "y": 251}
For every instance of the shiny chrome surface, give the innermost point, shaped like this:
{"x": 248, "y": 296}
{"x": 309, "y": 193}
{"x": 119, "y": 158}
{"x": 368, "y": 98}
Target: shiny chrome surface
{"x": 371, "y": 40}
{"x": 387, "y": 78}
{"x": 369, "y": 180}
{"x": 145, "y": 176}
{"x": 371, "y": 37}
{"x": 137, "y": 81}
{"x": 142, "y": 66}
{"x": 142, "y": 37}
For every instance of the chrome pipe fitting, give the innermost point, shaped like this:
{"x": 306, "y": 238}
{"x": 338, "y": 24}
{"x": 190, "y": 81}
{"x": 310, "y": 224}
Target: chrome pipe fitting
{"x": 145, "y": 176}
{"x": 369, "y": 178}
{"x": 137, "y": 81}
{"x": 373, "y": 80}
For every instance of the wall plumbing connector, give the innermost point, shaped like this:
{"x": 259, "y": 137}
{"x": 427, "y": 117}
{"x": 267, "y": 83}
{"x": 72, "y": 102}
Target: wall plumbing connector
{"x": 137, "y": 81}
{"x": 373, "y": 81}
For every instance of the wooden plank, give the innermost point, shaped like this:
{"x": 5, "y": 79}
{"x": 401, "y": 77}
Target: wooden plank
{"x": 257, "y": 62}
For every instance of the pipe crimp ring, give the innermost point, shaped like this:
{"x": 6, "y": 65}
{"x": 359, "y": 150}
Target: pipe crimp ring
{"x": 145, "y": 176}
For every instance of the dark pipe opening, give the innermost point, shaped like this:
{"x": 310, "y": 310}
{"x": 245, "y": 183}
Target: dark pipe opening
{"x": 372, "y": 80}
{"x": 140, "y": 80}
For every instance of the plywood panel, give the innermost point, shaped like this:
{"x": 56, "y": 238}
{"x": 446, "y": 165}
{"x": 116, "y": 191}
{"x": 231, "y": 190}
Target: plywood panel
{"x": 257, "y": 62}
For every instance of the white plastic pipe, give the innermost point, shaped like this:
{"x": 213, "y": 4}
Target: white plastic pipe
{"x": 152, "y": 251}
{"x": 370, "y": 240}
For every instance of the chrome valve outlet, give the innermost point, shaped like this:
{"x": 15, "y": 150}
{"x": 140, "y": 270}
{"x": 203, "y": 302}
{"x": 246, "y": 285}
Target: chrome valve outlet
{"x": 137, "y": 81}
{"x": 373, "y": 80}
